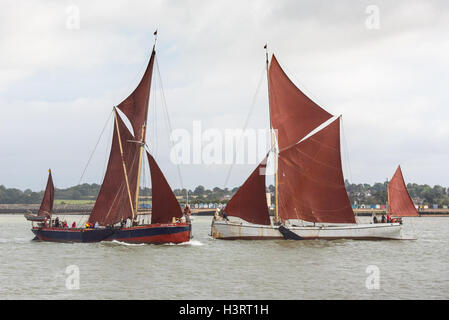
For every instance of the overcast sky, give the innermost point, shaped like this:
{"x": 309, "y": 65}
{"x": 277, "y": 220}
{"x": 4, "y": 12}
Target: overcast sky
{"x": 64, "y": 64}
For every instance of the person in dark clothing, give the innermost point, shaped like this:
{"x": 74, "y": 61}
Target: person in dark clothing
{"x": 383, "y": 218}
{"x": 375, "y": 219}
{"x": 57, "y": 222}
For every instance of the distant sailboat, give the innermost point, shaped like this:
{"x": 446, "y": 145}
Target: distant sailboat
{"x": 46, "y": 207}
{"x": 311, "y": 198}
{"x": 400, "y": 204}
{"x": 118, "y": 197}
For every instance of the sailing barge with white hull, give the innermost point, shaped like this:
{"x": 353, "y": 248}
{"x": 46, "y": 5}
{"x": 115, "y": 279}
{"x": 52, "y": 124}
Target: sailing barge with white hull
{"x": 117, "y": 200}
{"x": 311, "y": 201}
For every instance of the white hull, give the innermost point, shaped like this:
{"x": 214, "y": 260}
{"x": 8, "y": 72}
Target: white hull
{"x": 234, "y": 230}
{"x": 242, "y": 230}
{"x": 349, "y": 231}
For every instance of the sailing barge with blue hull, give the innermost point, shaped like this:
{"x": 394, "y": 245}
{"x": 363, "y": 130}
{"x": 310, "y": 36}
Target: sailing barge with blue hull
{"x": 117, "y": 200}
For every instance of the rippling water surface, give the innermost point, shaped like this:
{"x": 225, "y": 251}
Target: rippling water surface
{"x": 207, "y": 268}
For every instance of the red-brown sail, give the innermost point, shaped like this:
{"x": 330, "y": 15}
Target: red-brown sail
{"x": 250, "y": 202}
{"x": 399, "y": 202}
{"x": 311, "y": 184}
{"x": 292, "y": 113}
{"x": 46, "y": 207}
{"x": 113, "y": 201}
{"x": 165, "y": 206}
{"x": 135, "y": 107}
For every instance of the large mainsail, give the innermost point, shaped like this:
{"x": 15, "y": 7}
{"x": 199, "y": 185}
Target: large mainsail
{"x": 46, "y": 207}
{"x": 118, "y": 195}
{"x": 311, "y": 184}
{"x": 293, "y": 114}
{"x": 113, "y": 201}
{"x": 310, "y": 178}
{"x": 249, "y": 203}
{"x": 399, "y": 202}
{"x": 165, "y": 206}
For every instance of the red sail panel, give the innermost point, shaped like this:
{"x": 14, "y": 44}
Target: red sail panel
{"x": 292, "y": 113}
{"x": 46, "y": 207}
{"x": 165, "y": 206}
{"x": 113, "y": 202}
{"x": 311, "y": 183}
{"x": 135, "y": 107}
{"x": 250, "y": 202}
{"x": 399, "y": 202}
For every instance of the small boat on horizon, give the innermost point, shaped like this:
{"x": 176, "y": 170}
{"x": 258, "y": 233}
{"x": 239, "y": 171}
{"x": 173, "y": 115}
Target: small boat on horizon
{"x": 311, "y": 201}
{"x": 399, "y": 202}
{"x": 118, "y": 198}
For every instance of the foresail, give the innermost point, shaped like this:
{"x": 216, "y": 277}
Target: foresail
{"x": 250, "y": 202}
{"x": 311, "y": 183}
{"x": 46, "y": 207}
{"x": 113, "y": 201}
{"x": 135, "y": 107}
{"x": 165, "y": 206}
{"x": 399, "y": 202}
{"x": 292, "y": 113}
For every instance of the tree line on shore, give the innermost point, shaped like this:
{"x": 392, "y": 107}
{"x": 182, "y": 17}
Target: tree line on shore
{"x": 358, "y": 194}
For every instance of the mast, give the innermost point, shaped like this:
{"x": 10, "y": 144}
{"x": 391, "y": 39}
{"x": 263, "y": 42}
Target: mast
{"x": 134, "y": 212}
{"x": 142, "y": 143}
{"x": 273, "y": 142}
{"x": 388, "y": 197}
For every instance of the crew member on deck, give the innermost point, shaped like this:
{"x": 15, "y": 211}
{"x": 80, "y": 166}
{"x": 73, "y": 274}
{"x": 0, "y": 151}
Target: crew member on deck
{"x": 217, "y": 214}
{"x": 187, "y": 213}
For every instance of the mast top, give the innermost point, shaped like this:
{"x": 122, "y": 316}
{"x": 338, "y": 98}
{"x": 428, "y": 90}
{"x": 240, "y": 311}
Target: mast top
{"x": 155, "y": 39}
{"x": 266, "y": 51}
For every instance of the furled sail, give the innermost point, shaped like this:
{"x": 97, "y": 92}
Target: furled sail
{"x": 135, "y": 107}
{"x": 311, "y": 184}
{"x": 113, "y": 201}
{"x": 292, "y": 113}
{"x": 46, "y": 207}
{"x": 165, "y": 206}
{"x": 399, "y": 202}
{"x": 250, "y": 202}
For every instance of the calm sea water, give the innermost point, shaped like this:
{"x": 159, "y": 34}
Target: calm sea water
{"x": 207, "y": 268}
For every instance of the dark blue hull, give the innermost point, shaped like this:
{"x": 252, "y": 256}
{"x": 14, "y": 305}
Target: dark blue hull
{"x": 153, "y": 233}
{"x": 72, "y": 235}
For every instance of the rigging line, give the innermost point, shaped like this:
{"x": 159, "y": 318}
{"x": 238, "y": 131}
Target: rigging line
{"x": 164, "y": 102}
{"x": 253, "y": 103}
{"x": 346, "y": 150}
{"x": 95, "y": 148}
{"x": 301, "y": 86}
{"x": 106, "y": 153}
{"x": 128, "y": 88}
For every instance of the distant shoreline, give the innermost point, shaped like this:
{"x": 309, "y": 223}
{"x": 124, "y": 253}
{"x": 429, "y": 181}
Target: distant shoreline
{"x": 85, "y": 209}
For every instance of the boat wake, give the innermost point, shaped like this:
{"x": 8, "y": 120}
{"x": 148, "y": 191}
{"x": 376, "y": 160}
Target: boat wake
{"x": 125, "y": 243}
{"x": 15, "y": 240}
{"x": 193, "y": 243}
